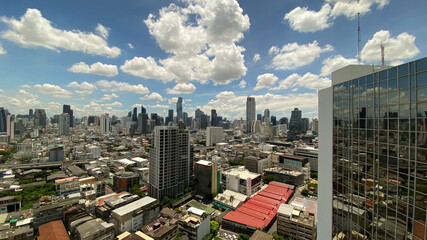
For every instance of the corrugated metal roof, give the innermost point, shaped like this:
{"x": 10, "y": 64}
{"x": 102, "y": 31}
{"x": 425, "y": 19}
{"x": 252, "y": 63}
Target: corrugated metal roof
{"x": 134, "y": 206}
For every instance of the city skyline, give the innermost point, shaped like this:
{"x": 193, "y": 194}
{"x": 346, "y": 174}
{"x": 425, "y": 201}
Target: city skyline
{"x": 111, "y": 61}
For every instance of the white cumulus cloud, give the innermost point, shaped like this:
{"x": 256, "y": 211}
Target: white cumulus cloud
{"x": 242, "y": 84}
{"x": 85, "y": 87}
{"x": 158, "y": 106}
{"x": 265, "y": 81}
{"x": 97, "y": 68}
{"x": 308, "y": 80}
{"x": 293, "y": 55}
{"x": 256, "y": 57}
{"x": 331, "y": 64}
{"x": 102, "y": 31}
{"x": 304, "y": 20}
{"x": 201, "y": 48}
{"x": 395, "y": 48}
{"x": 2, "y": 51}
{"x": 108, "y": 97}
{"x": 182, "y": 88}
{"x": 153, "y": 96}
{"x": 130, "y": 45}
{"x": 350, "y": 8}
{"x": 114, "y": 86}
{"x": 52, "y": 90}
{"x": 33, "y": 30}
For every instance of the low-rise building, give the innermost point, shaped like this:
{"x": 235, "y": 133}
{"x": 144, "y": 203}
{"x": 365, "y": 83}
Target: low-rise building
{"x": 291, "y": 177}
{"x": 296, "y": 223}
{"x": 195, "y": 223}
{"x": 229, "y": 200}
{"x": 9, "y": 204}
{"x": 54, "y": 230}
{"x": 95, "y": 229}
{"x": 163, "y": 228}
{"x": 207, "y": 176}
{"x": 134, "y": 215}
{"x": 257, "y": 165}
{"x": 241, "y": 180}
{"x": 124, "y": 181}
{"x": 67, "y": 186}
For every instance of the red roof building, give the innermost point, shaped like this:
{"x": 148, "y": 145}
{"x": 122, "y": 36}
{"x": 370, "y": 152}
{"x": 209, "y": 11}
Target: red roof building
{"x": 54, "y": 230}
{"x": 259, "y": 211}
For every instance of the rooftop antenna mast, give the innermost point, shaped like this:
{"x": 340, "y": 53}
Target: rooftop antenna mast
{"x": 382, "y": 54}
{"x": 358, "y": 38}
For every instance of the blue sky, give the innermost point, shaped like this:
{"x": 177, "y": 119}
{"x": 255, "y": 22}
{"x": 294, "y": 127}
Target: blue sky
{"x": 107, "y": 56}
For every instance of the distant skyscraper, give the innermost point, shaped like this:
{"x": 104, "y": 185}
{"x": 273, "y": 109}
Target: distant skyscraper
{"x": 259, "y": 117}
{"x": 179, "y": 109}
{"x": 170, "y": 160}
{"x": 105, "y": 124}
{"x": 143, "y": 110}
{"x": 40, "y": 118}
{"x": 305, "y": 123}
{"x": 130, "y": 114}
{"x": 30, "y": 113}
{"x": 143, "y": 127}
{"x": 295, "y": 127}
{"x": 185, "y": 118}
{"x": 67, "y": 109}
{"x": 198, "y": 113}
{"x": 135, "y": 115}
{"x": 170, "y": 116}
{"x": 214, "y": 118}
{"x": 273, "y": 120}
{"x": 203, "y": 121}
{"x": 2, "y": 120}
{"x": 250, "y": 113}
{"x": 64, "y": 124}
{"x": 267, "y": 117}
{"x": 284, "y": 120}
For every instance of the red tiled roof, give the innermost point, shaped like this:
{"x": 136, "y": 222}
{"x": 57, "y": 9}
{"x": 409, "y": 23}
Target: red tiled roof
{"x": 54, "y": 230}
{"x": 261, "y": 209}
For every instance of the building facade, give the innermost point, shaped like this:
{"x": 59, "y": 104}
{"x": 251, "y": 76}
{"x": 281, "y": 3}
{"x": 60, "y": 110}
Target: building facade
{"x": 169, "y": 162}
{"x": 64, "y": 124}
{"x": 295, "y": 125}
{"x": 250, "y": 113}
{"x": 214, "y": 135}
{"x": 105, "y": 124}
{"x": 179, "y": 109}
{"x": 378, "y": 152}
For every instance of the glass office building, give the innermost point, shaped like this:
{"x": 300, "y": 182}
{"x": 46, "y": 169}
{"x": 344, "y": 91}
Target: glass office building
{"x": 379, "y": 156}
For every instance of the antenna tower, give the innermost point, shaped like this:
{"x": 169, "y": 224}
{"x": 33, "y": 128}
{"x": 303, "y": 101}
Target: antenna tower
{"x": 382, "y": 54}
{"x": 358, "y": 38}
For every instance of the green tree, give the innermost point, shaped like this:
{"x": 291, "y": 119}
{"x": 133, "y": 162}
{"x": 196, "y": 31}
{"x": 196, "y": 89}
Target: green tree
{"x": 305, "y": 192}
{"x": 214, "y": 227}
{"x": 136, "y": 189}
{"x": 243, "y": 236}
{"x": 269, "y": 178}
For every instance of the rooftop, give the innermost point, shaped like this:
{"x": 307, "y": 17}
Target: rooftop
{"x": 53, "y": 230}
{"x": 261, "y": 209}
{"x": 242, "y": 173}
{"x": 134, "y": 206}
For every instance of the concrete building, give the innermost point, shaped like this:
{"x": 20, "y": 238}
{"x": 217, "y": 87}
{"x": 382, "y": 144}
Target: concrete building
{"x": 241, "y": 180}
{"x": 296, "y": 223}
{"x": 308, "y": 152}
{"x": 170, "y": 160}
{"x": 134, "y": 215}
{"x": 95, "y": 229}
{"x": 64, "y": 124}
{"x": 291, "y": 177}
{"x": 54, "y": 230}
{"x": 214, "y": 135}
{"x": 9, "y": 204}
{"x": 56, "y": 154}
{"x": 95, "y": 151}
{"x": 105, "y": 124}
{"x": 229, "y": 200}
{"x": 124, "y": 181}
{"x": 67, "y": 186}
{"x": 250, "y": 113}
{"x": 295, "y": 126}
{"x": 267, "y": 117}
{"x": 372, "y": 126}
{"x": 208, "y": 177}
{"x": 195, "y": 224}
{"x": 256, "y": 126}
{"x": 257, "y": 165}
{"x": 39, "y": 118}
{"x": 179, "y": 109}
{"x": 67, "y": 109}
{"x": 291, "y": 162}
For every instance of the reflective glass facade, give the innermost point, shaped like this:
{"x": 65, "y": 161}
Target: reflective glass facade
{"x": 380, "y": 154}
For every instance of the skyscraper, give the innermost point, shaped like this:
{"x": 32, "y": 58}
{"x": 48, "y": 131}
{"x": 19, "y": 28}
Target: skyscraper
{"x": 250, "y": 113}
{"x": 143, "y": 110}
{"x": 179, "y": 109}
{"x": 143, "y": 127}
{"x": 259, "y": 117}
{"x": 198, "y": 113}
{"x": 305, "y": 125}
{"x": 170, "y": 159}
{"x": 203, "y": 121}
{"x": 64, "y": 124}
{"x": 2, "y": 120}
{"x": 214, "y": 118}
{"x": 105, "y": 124}
{"x": 67, "y": 109}
{"x": 267, "y": 117}
{"x": 295, "y": 127}
{"x": 30, "y": 113}
{"x": 273, "y": 120}
{"x": 135, "y": 115}
{"x": 283, "y": 120}
{"x": 39, "y": 118}
{"x": 170, "y": 116}
{"x": 373, "y": 148}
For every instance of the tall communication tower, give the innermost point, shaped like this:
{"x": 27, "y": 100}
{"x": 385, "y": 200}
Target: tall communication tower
{"x": 358, "y": 38}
